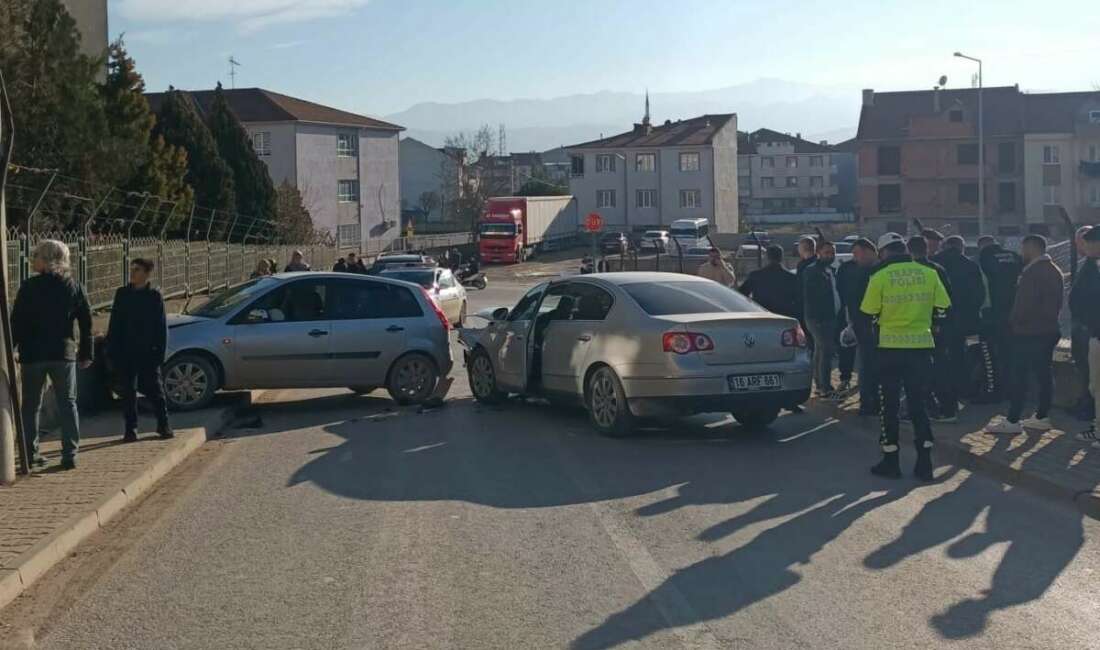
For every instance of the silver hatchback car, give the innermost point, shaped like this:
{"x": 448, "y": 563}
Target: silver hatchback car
{"x": 632, "y": 345}
{"x": 309, "y": 330}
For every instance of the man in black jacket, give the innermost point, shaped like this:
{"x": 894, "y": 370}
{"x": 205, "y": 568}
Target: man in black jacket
{"x": 137, "y": 337}
{"x": 807, "y": 255}
{"x": 1084, "y": 304}
{"x": 967, "y": 296}
{"x": 42, "y": 329}
{"x": 355, "y": 264}
{"x": 820, "y": 307}
{"x": 852, "y": 279}
{"x": 1001, "y": 269}
{"x": 773, "y": 287}
{"x": 943, "y": 403}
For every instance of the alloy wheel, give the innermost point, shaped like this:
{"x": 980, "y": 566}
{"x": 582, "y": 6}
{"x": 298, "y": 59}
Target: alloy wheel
{"x": 186, "y": 383}
{"x": 605, "y": 400}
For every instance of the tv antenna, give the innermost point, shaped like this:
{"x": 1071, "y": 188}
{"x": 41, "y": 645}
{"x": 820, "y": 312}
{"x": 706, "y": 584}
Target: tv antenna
{"x": 233, "y": 65}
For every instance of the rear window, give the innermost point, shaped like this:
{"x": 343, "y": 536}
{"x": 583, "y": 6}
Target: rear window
{"x": 425, "y": 279}
{"x": 672, "y": 298}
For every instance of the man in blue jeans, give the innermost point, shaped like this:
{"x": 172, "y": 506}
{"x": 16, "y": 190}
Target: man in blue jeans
{"x": 42, "y": 327}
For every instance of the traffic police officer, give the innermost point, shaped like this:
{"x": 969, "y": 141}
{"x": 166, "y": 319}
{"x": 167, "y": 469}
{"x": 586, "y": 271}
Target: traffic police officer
{"x": 904, "y": 297}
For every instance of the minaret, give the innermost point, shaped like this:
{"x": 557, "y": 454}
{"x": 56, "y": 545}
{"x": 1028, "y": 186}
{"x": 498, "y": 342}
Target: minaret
{"x": 645, "y": 120}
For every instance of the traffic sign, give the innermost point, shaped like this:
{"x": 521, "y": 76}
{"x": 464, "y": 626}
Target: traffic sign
{"x": 593, "y": 222}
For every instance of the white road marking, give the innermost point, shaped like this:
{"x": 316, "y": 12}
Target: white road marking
{"x": 827, "y": 423}
{"x": 423, "y": 447}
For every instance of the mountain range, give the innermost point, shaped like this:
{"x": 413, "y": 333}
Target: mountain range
{"x": 817, "y": 112}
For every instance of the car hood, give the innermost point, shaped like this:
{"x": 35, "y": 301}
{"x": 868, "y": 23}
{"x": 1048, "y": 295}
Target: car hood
{"x": 179, "y": 320}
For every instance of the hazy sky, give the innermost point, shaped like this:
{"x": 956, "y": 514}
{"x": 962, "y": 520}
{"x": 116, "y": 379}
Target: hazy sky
{"x": 381, "y": 56}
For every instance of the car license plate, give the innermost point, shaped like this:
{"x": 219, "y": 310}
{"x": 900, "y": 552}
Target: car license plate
{"x": 752, "y": 383}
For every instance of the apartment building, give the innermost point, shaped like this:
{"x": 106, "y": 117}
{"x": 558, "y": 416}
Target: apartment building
{"x": 1062, "y": 157}
{"x": 425, "y": 169}
{"x": 783, "y": 177}
{"x": 344, "y": 164}
{"x": 652, "y": 175}
{"x": 91, "y": 22}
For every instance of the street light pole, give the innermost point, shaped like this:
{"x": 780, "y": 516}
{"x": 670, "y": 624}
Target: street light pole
{"x": 981, "y": 145}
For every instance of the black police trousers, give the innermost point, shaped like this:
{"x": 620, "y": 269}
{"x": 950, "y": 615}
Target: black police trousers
{"x": 911, "y": 369}
{"x": 134, "y": 376}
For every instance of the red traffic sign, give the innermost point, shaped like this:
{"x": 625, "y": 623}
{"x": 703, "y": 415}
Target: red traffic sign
{"x": 593, "y": 222}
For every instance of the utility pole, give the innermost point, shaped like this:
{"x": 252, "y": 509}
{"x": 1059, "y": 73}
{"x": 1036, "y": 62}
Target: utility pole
{"x": 9, "y": 429}
{"x": 981, "y": 145}
{"x": 233, "y": 65}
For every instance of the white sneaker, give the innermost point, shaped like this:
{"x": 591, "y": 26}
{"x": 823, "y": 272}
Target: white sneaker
{"x": 1089, "y": 435}
{"x": 1002, "y": 425}
{"x": 1037, "y": 424}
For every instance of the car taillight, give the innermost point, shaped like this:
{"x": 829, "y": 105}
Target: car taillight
{"x": 794, "y": 337}
{"x": 685, "y": 342}
{"x": 437, "y": 309}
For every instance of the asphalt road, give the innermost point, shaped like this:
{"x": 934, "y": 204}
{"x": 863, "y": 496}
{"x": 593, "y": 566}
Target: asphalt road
{"x": 343, "y": 522}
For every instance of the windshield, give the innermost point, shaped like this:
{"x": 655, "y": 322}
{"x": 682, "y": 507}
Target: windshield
{"x": 425, "y": 279}
{"x": 498, "y": 229}
{"x": 654, "y": 234}
{"x": 227, "y": 301}
{"x": 671, "y": 298}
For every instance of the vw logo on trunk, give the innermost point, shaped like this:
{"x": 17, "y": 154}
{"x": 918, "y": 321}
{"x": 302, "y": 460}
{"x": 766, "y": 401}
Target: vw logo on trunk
{"x": 750, "y": 340}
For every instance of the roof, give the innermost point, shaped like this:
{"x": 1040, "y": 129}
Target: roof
{"x": 746, "y": 142}
{"x": 692, "y": 132}
{"x": 1057, "y": 112}
{"x": 260, "y": 105}
{"x": 890, "y": 114}
{"x": 851, "y": 145}
{"x": 634, "y": 277}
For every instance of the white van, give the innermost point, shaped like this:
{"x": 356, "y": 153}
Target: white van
{"x": 689, "y": 232}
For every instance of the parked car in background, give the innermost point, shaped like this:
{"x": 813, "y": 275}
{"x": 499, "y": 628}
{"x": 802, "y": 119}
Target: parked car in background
{"x": 690, "y": 232}
{"x": 631, "y": 345}
{"x": 309, "y": 330}
{"x": 654, "y": 240}
{"x": 440, "y": 283}
{"x": 614, "y": 242}
{"x": 392, "y": 260}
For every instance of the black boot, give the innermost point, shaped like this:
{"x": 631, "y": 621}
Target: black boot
{"x": 923, "y": 468}
{"x": 130, "y": 435}
{"x": 888, "y": 467}
{"x": 164, "y": 430}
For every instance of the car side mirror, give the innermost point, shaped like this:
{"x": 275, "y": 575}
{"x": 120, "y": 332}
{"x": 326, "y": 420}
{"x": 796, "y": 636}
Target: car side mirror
{"x": 500, "y": 313}
{"x": 258, "y": 316}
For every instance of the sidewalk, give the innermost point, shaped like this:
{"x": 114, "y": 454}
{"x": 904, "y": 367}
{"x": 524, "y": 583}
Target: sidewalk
{"x": 44, "y": 516}
{"x": 1052, "y": 463}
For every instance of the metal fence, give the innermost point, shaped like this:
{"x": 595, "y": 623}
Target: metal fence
{"x": 101, "y": 262}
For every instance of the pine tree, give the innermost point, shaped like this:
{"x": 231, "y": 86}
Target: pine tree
{"x": 179, "y": 124}
{"x": 293, "y": 222}
{"x": 256, "y": 196}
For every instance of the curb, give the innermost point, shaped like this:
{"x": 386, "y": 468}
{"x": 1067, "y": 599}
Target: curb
{"x": 958, "y": 454}
{"x": 43, "y": 556}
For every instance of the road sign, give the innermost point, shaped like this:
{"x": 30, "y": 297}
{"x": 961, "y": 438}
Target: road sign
{"x": 593, "y": 222}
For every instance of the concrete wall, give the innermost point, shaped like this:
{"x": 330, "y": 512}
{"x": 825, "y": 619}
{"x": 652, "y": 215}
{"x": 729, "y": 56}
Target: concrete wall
{"x": 282, "y": 164}
{"x": 380, "y": 187}
{"x": 421, "y": 170}
{"x": 726, "y": 205}
{"x": 91, "y": 21}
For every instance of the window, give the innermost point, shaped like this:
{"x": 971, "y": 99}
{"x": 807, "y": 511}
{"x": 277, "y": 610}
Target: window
{"x": 889, "y": 161}
{"x": 817, "y": 161}
{"x": 1094, "y": 117}
{"x": 1050, "y": 154}
{"x": 446, "y": 279}
{"x": 1006, "y": 157}
{"x": 348, "y": 232}
{"x": 889, "y": 198}
{"x": 347, "y": 191}
{"x": 577, "y": 301}
{"x": 525, "y": 308}
{"x": 967, "y": 154}
{"x": 226, "y": 301}
{"x": 817, "y": 181}
{"x": 792, "y": 181}
{"x": 792, "y": 162}
{"x": 605, "y": 198}
{"x": 645, "y": 198}
{"x": 955, "y": 115}
{"x": 605, "y": 163}
{"x": 645, "y": 162}
{"x": 744, "y": 185}
{"x": 1006, "y": 197}
{"x": 297, "y": 302}
{"x": 345, "y": 145}
{"x": 1052, "y": 194}
{"x": 675, "y": 298}
{"x": 968, "y": 193}
{"x": 690, "y": 199}
{"x": 767, "y": 162}
{"x": 689, "y": 162}
{"x": 1094, "y": 195}
{"x": 354, "y": 300}
{"x": 261, "y": 143}
{"x": 767, "y": 182}
{"x": 1094, "y": 153}
{"x": 576, "y": 166}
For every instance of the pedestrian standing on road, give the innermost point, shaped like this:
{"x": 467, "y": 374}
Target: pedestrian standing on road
{"x": 715, "y": 268}
{"x": 137, "y": 337}
{"x": 905, "y": 298}
{"x": 773, "y": 287}
{"x": 821, "y": 307}
{"x": 933, "y": 239}
{"x": 852, "y": 282}
{"x": 355, "y": 264}
{"x": 807, "y": 256}
{"x": 1084, "y": 303}
{"x": 262, "y": 269}
{"x": 1035, "y": 333}
{"x": 1001, "y": 269}
{"x": 967, "y": 296}
{"x": 1084, "y": 409}
{"x": 297, "y": 263}
{"x": 341, "y": 266}
{"x": 943, "y": 405}
{"x": 42, "y": 329}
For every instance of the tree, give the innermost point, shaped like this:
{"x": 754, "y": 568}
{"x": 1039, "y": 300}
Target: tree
{"x": 428, "y": 202}
{"x": 255, "y": 193}
{"x": 474, "y": 187}
{"x": 207, "y": 173}
{"x": 293, "y": 223}
{"x": 540, "y": 187}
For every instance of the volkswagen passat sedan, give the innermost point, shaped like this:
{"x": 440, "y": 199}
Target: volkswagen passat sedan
{"x": 309, "y": 330}
{"x": 631, "y": 345}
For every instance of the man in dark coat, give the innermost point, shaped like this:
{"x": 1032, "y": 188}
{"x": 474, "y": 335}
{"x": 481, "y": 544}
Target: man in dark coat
{"x": 355, "y": 264}
{"x": 820, "y": 307}
{"x": 943, "y": 403}
{"x": 852, "y": 279}
{"x": 773, "y": 287}
{"x": 967, "y": 296}
{"x": 1001, "y": 269}
{"x": 1084, "y": 304}
{"x": 137, "y": 337}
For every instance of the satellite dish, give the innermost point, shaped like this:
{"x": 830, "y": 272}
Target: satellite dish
{"x": 943, "y": 80}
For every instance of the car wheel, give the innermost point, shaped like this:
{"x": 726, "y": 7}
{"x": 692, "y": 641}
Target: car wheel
{"x": 190, "y": 382}
{"x": 606, "y": 402}
{"x": 362, "y": 390}
{"x": 461, "y": 322}
{"x": 483, "y": 378}
{"x": 756, "y": 419}
{"x": 412, "y": 379}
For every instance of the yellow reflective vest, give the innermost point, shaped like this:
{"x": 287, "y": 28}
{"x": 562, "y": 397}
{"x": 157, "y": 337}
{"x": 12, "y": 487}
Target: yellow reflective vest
{"x": 903, "y": 295}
